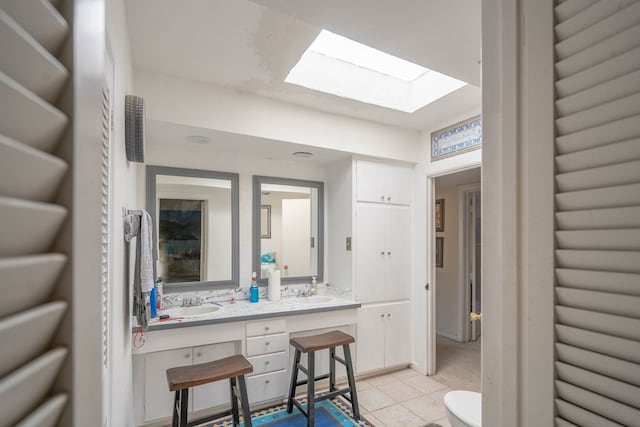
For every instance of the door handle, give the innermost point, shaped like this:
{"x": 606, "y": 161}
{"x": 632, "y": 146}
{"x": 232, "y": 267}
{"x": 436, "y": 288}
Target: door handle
{"x": 475, "y": 316}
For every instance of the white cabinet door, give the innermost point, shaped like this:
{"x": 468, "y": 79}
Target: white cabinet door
{"x": 371, "y": 253}
{"x": 397, "y": 226}
{"x": 397, "y": 333}
{"x": 370, "y": 182}
{"x": 398, "y": 185}
{"x": 370, "y": 343}
{"x": 158, "y": 400}
{"x": 214, "y": 394}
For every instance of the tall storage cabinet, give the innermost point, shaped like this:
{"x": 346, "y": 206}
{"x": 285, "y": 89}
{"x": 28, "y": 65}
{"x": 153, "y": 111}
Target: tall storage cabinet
{"x": 382, "y": 264}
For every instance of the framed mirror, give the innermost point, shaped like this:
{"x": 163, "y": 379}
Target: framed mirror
{"x": 195, "y": 213}
{"x": 288, "y": 228}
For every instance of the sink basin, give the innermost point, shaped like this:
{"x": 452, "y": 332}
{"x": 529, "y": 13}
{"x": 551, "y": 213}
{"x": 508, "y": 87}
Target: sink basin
{"x": 314, "y": 300}
{"x": 196, "y": 311}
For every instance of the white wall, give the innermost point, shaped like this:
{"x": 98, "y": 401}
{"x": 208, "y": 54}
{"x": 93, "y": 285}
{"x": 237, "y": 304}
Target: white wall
{"x": 339, "y": 222}
{"x": 123, "y": 185}
{"x": 422, "y": 243}
{"x": 186, "y": 102}
{"x": 205, "y": 157}
{"x": 447, "y": 295}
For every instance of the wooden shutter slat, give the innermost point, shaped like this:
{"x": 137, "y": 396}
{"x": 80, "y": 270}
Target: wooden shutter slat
{"x": 581, "y": 417}
{"x": 616, "y": 67}
{"x": 606, "y": 365}
{"x": 602, "y": 281}
{"x": 611, "y": 111}
{"x": 604, "y": 176}
{"x": 603, "y": 302}
{"x": 602, "y": 21}
{"x": 621, "y": 130}
{"x": 616, "y": 240}
{"x": 599, "y": 404}
{"x": 40, "y": 19}
{"x": 619, "y": 152}
{"x": 599, "y": 198}
{"x": 592, "y": 219}
{"x": 620, "y": 348}
{"x": 617, "y": 261}
{"x": 593, "y": 55}
{"x": 617, "y": 326}
{"x": 617, "y": 390}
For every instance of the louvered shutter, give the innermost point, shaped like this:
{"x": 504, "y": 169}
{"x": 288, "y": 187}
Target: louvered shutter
{"x": 597, "y": 213}
{"x": 31, "y": 125}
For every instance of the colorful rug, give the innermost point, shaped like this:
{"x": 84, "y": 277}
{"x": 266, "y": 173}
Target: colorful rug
{"x": 329, "y": 413}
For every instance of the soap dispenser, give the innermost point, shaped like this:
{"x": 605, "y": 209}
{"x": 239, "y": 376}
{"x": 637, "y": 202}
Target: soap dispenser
{"x": 254, "y": 292}
{"x": 314, "y": 286}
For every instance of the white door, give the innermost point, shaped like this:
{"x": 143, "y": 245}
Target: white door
{"x": 296, "y": 236}
{"x": 370, "y": 344}
{"x": 371, "y": 253}
{"x": 214, "y": 394}
{"x": 473, "y": 255}
{"x": 397, "y": 236}
{"x": 158, "y": 400}
{"x": 370, "y": 185}
{"x": 397, "y": 333}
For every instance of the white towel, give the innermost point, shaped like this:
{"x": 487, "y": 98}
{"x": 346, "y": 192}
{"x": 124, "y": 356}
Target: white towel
{"x": 146, "y": 252}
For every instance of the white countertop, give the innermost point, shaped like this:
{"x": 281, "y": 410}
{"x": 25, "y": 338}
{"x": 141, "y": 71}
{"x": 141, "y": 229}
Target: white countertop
{"x": 244, "y": 310}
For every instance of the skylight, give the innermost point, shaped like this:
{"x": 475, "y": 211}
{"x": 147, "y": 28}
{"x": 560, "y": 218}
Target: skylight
{"x": 340, "y": 66}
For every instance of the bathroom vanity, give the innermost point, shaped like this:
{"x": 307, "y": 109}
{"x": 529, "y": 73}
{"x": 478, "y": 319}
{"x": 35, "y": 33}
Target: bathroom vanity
{"x": 260, "y": 331}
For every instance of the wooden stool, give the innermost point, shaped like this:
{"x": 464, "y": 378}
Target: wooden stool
{"x": 310, "y": 345}
{"x": 233, "y": 367}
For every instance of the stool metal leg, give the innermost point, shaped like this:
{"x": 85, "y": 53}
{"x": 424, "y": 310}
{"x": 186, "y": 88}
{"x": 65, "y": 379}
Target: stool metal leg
{"x": 244, "y": 401}
{"x": 176, "y": 401}
{"x": 184, "y": 406}
{"x": 332, "y": 369}
{"x": 294, "y": 380}
{"x": 352, "y": 382}
{"x": 234, "y": 403}
{"x": 311, "y": 404}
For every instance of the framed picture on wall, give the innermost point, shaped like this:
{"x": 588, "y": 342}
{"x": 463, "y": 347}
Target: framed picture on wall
{"x": 265, "y": 221}
{"x": 439, "y": 215}
{"x": 439, "y": 252}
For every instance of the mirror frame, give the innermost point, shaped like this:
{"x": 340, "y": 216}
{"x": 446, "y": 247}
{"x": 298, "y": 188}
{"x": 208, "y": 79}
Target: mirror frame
{"x": 257, "y": 199}
{"x": 152, "y": 173}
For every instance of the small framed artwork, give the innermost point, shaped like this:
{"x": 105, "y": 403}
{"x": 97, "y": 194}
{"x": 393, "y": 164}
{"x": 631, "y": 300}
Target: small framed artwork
{"x": 439, "y": 215}
{"x": 265, "y": 221}
{"x": 439, "y": 252}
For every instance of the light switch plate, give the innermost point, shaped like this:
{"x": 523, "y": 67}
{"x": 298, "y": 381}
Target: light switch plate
{"x": 348, "y": 243}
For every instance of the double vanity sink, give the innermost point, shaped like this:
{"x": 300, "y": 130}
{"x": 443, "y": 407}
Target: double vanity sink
{"x": 243, "y": 310}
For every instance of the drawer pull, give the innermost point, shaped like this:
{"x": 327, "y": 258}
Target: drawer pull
{"x": 187, "y": 356}
{"x": 267, "y": 381}
{"x": 266, "y": 328}
{"x": 267, "y": 343}
{"x": 198, "y": 354}
{"x": 266, "y": 362}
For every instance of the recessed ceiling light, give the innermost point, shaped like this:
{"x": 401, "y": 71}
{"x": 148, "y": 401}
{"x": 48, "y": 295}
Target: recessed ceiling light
{"x": 302, "y": 154}
{"x": 340, "y": 66}
{"x": 198, "y": 139}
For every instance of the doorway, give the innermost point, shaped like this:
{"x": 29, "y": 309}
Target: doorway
{"x": 456, "y": 278}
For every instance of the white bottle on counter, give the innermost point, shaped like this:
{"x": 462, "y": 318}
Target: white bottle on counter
{"x": 273, "y": 286}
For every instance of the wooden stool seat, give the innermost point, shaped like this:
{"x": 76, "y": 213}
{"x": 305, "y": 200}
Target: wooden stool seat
{"x": 205, "y": 373}
{"x": 309, "y": 345}
{"x": 321, "y": 341}
{"x": 182, "y": 378}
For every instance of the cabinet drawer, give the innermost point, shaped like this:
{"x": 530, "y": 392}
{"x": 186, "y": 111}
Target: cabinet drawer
{"x": 265, "y": 327}
{"x": 266, "y": 344}
{"x": 269, "y": 362}
{"x": 273, "y": 385}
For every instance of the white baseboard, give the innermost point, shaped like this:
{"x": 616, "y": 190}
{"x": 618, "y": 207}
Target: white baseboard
{"x": 448, "y": 335}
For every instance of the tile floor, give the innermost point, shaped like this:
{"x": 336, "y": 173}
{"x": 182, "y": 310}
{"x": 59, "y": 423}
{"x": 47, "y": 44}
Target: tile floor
{"x": 402, "y": 399}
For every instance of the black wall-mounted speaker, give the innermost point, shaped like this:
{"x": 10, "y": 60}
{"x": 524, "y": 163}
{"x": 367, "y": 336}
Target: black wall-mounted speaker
{"x": 134, "y": 120}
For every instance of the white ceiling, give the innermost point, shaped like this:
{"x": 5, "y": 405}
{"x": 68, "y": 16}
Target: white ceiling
{"x": 250, "y": 47}
{"x": 469, "y": 176}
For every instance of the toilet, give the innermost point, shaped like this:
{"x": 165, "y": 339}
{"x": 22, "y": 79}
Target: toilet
{"x": 464, "y": 408}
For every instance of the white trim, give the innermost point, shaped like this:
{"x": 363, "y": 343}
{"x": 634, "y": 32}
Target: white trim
{"x": 448, "y": 335}
{"x": 463, "y": 273}
{"x": 517, "y": 244}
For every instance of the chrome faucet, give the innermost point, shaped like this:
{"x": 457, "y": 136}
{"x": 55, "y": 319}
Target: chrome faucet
{"x": 191, "y": 301}
{"x": 304, "y": 292}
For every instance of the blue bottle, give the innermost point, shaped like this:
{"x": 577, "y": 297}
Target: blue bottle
{"x": 153, "y": 302}
{"x": 254, "y": 293}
